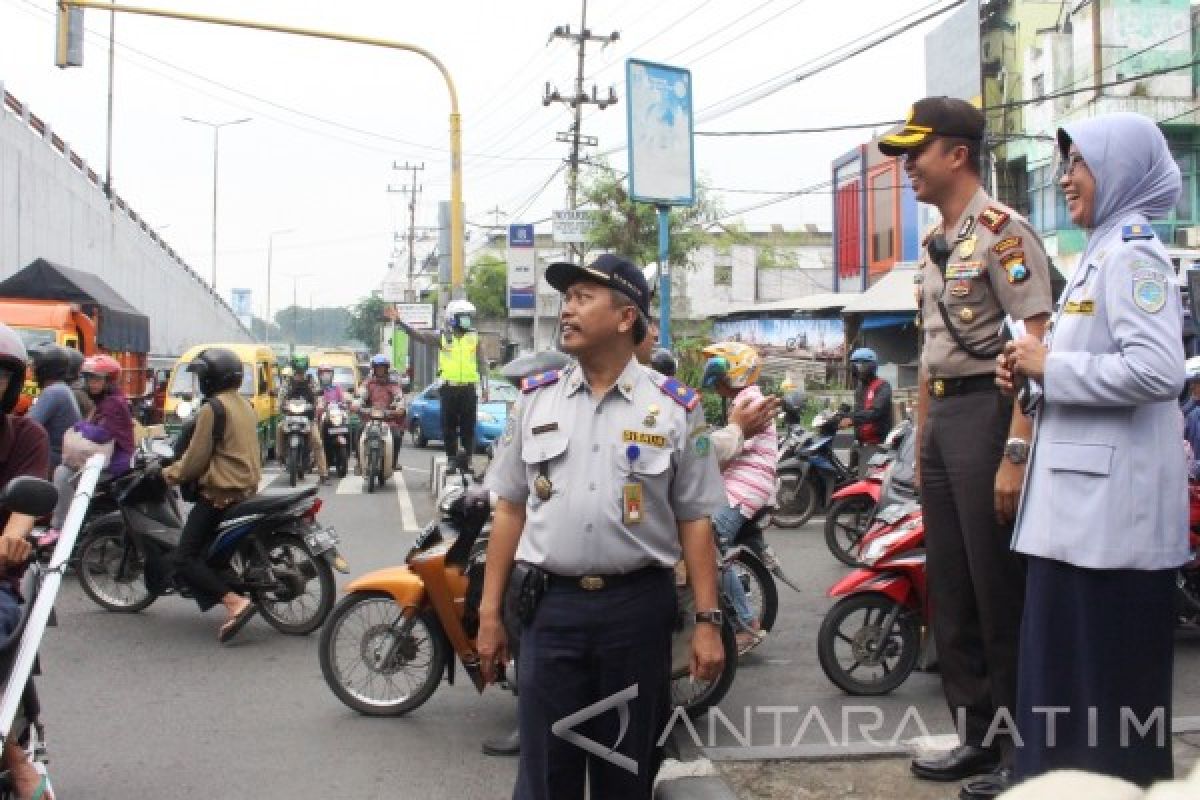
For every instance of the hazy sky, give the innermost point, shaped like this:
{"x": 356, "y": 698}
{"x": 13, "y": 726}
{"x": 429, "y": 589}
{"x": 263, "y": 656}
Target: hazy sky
{"x": 329, "y": 119}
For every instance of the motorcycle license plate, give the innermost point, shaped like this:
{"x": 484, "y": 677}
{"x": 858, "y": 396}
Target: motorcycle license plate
{"x": 342, "y": 429}
{"x": 320, "y": 540}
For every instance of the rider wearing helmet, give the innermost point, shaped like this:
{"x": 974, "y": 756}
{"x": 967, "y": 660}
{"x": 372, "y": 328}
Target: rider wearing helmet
{"x": 298, "y": 385}
{"x": 24, "y": 451}
{"x": 226, "y": 471}
{"x": 747, "y": 456}
{"x": 872, "y": 415}
{"x": 330, "y": 392}
{"x": 110, "y": 420}
{"x": 75, "y": 381}
{"x": 463, "y": 370}
{"x": 381, "y": 391}
{"x": 55, "y": 408}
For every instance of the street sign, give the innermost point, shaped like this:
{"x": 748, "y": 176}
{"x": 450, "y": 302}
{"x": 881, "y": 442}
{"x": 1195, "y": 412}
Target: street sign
{"x": 659, "y": 117}
{"x": 394, "y": 289}
{"x": 418, "y": 315}
{"x": 572, "y": 226}
{"x": 522, "y": 257}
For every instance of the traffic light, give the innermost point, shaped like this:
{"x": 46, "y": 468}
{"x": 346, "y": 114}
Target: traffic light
{"x": 68, "y": 45}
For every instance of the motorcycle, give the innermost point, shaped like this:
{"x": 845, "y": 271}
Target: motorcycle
{"x": 889, "y": 480}
{"x": 296, "y": 426}
{"x": 39, "y": 588}
{"x": 335, "y": 436}
{"x": 757, "y": 567}
{"x": 1187, "y": 581}
{"x": 809, "y": 470}
{"x": 377, "y": 446}
{"x": 269, "y": 547}
{"x": 880, "y": 624}
{"x": 399, "y": 630}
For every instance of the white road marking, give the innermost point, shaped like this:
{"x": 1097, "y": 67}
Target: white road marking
{"x": 408, "y": 517}
{"x": 351, "y": 484}
{"x": 267, "y": 479}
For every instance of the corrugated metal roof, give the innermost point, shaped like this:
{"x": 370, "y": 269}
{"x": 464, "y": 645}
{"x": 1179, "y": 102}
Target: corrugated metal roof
{"x": 820, "y": 301}
{"x": 893, "y": 293}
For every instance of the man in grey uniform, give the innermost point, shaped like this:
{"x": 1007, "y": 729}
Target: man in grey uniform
{"x": 606, "y": 478}
{"x": 981, "y": 264}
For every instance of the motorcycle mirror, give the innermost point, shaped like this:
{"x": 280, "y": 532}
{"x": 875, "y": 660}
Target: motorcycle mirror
{"x": 28, "y": 495}
{"x": 184, "y": 409}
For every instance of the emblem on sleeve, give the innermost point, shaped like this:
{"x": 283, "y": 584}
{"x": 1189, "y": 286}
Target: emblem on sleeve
{"x": 702, "y": 444}
{"x": 993, "y": 219}
{"x": 1150, "y": 291}
{"x": 1014, "y": 267}
{"x": 1007, "y": 243}
{"x": 1136, "y": 232}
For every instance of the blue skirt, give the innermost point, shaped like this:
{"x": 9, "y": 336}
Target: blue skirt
{"x": 1094, "y": 672}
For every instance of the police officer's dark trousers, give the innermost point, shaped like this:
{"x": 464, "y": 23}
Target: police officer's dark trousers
{"x": 580, "y": 648}
{"x": 458, "y": 418}
{"x": 976, "y": 582}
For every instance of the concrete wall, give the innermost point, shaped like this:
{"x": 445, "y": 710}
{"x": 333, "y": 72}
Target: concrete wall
{"x": 52, "y": 206}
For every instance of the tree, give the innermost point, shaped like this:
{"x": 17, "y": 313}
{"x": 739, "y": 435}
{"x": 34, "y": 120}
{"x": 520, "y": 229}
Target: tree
{"x": 631, "y": 229}
{"x": 313, "y": 326}
{"x": 366, "y": 320}
{"x": 487, "y": 286}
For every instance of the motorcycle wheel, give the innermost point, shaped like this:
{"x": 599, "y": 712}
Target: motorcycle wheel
{"x": 760, "y": 587}
{"x": 373, "y": 470}
{"x": 342, "y": 460}
{"x": 796, "y": 505}
{"x": 293, "y": 466}
{"x": 100, "y": 572}
{"x": 845, "y": 524}
{"x": 357, "y": 664}
{"x": 306, "y": 590}
{"x": 848, "y": 642}
{"x": 418, "y": 435}
{"x": 696, "y": 698}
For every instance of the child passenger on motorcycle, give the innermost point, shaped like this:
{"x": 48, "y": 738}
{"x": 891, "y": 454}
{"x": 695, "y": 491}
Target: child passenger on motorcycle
{"x": 747, "y": 460}
{"x": 24, "y": 450}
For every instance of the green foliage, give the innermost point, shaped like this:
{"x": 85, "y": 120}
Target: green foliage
{"x": 487, "y": 285}
{"x": 631, "y": 229}
{"x": 365, "y": 321}
{"x": 311, "y": 326}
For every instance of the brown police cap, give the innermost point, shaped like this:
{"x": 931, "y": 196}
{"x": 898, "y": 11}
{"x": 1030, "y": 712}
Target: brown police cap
{"x": 935, "y": 116}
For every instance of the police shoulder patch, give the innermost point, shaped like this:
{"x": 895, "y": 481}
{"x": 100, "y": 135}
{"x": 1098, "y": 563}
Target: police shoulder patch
{"x": 540, "y": 380}
{"x": 1136, "y": 232}
{"x": 994, "y": 219}
{"x": 682, "y": 394}
{"x": 1149, "y": 290}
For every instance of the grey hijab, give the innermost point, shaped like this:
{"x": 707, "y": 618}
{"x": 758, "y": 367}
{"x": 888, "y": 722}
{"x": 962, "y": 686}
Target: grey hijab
{"x": 1134, "y": 170}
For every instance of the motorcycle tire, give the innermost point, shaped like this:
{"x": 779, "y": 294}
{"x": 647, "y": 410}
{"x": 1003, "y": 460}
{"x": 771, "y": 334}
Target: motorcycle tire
{"x": 289, "y": 552}
{"x": 342, "y": 460}
{"x": 697, "y": 697}
{"x": 293, "y": 466}
{"x": 418, "y": 435}
{"x": 797, "y": 506}
{"x": 846, "y": 523}
{"x": 374, "y": 468}
{"x": 370, "y": 639}
{"x": 760, "y": 587}
{"x": 101, "y": 554}
{"x": 903, "y": 644}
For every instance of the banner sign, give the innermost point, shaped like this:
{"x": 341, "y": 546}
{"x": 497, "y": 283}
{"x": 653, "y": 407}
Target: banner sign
{"x": 522, "y": 262}
{"x": 659, "y": 121}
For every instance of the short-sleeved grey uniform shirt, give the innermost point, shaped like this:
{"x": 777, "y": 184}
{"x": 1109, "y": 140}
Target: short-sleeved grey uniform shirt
{"x": 641, "y": 432}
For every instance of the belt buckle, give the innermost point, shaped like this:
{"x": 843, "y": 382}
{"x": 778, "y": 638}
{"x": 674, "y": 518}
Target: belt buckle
{"x": 939, "y": 388}
{"x": 591, "y": 582}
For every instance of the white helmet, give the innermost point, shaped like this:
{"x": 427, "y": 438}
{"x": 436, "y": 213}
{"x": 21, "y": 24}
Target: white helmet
{"x": 460, "y": 314}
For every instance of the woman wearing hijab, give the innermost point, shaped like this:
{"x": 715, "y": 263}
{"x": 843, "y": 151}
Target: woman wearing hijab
{"x": 1104, "y": 515}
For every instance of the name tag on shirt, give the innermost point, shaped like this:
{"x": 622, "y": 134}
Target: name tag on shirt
{"x": 1085, "y": 307}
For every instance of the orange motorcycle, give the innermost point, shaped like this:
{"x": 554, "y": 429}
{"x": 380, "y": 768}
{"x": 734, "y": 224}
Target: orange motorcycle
{"x": 388, "y": 643}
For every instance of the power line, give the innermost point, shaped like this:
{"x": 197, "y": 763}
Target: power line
{"x": 741, "y": 35}
{"x": 887, "y": 123}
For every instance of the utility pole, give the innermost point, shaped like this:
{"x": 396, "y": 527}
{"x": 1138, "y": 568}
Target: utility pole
{"x": 496, "y": 213}
{"x": 412, "y": 189}
{"x": 577, "y": 100}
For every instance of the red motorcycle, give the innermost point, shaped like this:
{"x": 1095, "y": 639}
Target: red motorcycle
{"x": 1187, "y": 582}
{"x": 871, "y": 639}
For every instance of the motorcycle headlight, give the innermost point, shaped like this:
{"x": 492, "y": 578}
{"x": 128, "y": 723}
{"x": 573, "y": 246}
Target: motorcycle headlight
{"x": 878, "y": 548}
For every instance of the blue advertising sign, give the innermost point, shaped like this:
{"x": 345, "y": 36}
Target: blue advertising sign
{"x": 522, "y": 267}
{"x": 520, "y": 236}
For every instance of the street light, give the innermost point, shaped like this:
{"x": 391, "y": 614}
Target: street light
{"x": 295, "y": 307}
{"x": 270, "y": 251}
{"x": 216, "y": 129}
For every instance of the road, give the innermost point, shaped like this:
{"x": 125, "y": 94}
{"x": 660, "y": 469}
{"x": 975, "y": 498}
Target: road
{"x": 149, "y": 705}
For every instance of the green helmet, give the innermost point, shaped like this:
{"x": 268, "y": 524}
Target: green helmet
{"x": 300, "y": 363}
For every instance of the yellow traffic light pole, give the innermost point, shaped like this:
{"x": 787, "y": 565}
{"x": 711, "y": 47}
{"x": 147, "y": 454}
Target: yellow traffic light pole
{"x": 456, "y": 207}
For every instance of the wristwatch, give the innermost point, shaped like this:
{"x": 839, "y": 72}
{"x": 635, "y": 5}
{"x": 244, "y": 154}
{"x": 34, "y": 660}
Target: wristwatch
{"x": 713, "y": 617}
{"x": 1016, "y": 450}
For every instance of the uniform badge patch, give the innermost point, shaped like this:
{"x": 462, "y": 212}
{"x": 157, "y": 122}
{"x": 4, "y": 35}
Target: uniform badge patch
{"x": 965, "y": 269}
{"x": 966, "y": 248}
{"x": 1136, "y": 232}
{"x": 960, "y": 288}
{"x": 702, "y": 445}
{"x": 1149, "y": 290}
{"x": 1085, "y": 307}
{"x": 638, "y": 437}
{"x": 966, "y": 315}
{"x": 993, "y": 219}
{"x": 1014, "y": 267}
{"x": 1004, "y": 245}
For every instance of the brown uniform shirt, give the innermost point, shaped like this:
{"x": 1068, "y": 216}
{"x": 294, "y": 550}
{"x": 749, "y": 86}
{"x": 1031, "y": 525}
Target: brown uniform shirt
{"x": 997, "y": 267}
{"x": 229, "y": 472}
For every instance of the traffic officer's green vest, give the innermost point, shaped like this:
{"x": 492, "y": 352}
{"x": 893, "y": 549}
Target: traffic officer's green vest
{"x": 457, "y": 359}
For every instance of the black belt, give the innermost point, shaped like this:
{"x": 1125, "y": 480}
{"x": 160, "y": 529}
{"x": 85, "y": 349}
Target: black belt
{"x": 594, "y": 583}
{"x": 952, "y": 387}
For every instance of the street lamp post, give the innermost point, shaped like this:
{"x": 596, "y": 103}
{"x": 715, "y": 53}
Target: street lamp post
{"x": 216, "y": 129}
{"x": 270, "y": 252}
{"x": 295, "y": 308}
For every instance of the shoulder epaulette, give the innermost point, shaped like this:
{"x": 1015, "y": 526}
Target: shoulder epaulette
{"x": 535, "y": 382}
{"x": 681, "y": 393}
{"x": 1134, "y": 232}
{"x": 994, "y": 219}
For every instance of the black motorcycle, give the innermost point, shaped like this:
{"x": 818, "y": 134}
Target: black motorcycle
{"x": 335, "y": 437}
{"x": 269, "y": 547}
{"x": 296, "y": 426}
{"x": 809, "y": 470}
{"x": 757, "y": 567}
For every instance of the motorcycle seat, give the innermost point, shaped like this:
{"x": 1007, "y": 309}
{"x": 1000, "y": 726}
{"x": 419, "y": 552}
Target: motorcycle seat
{"x": 268, "y": 502}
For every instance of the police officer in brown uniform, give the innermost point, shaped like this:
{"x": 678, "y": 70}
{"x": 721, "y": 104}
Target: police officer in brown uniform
{"x": 981, "y": 264}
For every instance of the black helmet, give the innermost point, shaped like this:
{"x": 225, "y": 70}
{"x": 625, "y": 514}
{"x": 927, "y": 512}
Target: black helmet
{"x": 74, "y": 364}
{"x": 663, "y": 360}
{"x": 13, "y": 357}
{"x": 50, "y": 362}
{"x": 217, "y": 369}
{"x": 793, "y": 402}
